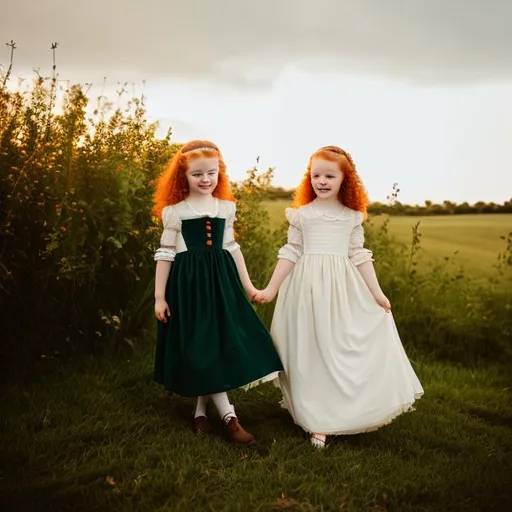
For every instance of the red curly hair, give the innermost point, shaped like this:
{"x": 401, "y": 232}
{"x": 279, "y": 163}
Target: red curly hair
{"x": 172, "y": 186}
{"x": 352, "y": 193}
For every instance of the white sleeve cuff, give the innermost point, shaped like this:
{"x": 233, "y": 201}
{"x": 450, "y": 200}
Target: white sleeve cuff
{"x": 164, "y": 254}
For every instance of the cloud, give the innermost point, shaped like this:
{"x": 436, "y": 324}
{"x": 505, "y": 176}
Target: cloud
{"x": 248, "y": 43}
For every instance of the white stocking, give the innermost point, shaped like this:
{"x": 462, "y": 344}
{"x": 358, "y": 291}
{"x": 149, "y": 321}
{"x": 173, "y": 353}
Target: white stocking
{"x": 202, "y": 402}
{"x": 224, "y": 408}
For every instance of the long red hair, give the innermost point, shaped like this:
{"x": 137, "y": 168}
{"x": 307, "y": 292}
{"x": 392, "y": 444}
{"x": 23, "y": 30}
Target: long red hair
{"x": 352, "y": 193}
{"x": 172, "y": 186}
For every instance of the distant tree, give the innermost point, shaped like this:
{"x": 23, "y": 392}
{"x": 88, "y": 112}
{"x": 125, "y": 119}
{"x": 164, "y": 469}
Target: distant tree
{"x": 479, "y": 207}
{"x": 448, "y": 206}
{"x": 490, "y": 208}
{"x": 463, "y": 208}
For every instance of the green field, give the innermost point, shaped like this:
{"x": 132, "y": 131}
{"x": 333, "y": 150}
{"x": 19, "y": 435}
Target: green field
{"x": 472, "y": 241}
{"x": 276, "y": 211}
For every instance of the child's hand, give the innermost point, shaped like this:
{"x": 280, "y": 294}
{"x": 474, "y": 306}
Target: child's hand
{"x": 162, "y": 311}
{"x": 383, "y": 301}
{"x": 255, "y": 297}
{"x": 251, "y": 291}
{"x": 264, "y": 296}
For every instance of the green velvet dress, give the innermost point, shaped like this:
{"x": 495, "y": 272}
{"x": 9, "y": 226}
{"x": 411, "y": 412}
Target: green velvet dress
{"x": 214, "y": 340}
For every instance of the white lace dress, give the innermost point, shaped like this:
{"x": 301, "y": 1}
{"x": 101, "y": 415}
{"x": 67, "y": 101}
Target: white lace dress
{"x": 346, "y": 370}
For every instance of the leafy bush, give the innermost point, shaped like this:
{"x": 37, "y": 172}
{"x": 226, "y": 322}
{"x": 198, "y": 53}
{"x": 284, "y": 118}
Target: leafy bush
{"x": 76, "y": 255}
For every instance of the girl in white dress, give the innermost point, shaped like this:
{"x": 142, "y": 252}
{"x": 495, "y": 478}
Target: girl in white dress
{"x": 345, "y": 369}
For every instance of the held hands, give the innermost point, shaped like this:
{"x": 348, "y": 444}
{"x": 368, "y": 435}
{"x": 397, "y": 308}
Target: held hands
{"x": 251, "y": 291}
{"x": 383, "y": 301}
{"x": 259, "y": 296}
{"x": 264, "y": 296}
{"x": 162, "y": 311}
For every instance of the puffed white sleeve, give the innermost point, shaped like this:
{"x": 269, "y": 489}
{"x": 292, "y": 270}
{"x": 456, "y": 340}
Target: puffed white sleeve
{"x": 229, "y": 243}
{"x": 357, "y": 253}
{"x": 293, "y": 248}
{"x": 172, "y": 226}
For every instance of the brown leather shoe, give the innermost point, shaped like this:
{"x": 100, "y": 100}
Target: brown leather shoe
{"x": 201, "y": 425}
{"x": 236, "y": 433}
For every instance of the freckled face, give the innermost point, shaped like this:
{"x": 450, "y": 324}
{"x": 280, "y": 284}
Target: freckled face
{"x": 326, "y": 178}
{"x": 203, "y": 175}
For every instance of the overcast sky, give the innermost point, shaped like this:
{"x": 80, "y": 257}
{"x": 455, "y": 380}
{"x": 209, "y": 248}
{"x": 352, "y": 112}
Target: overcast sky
{"x": 420, "y": 92}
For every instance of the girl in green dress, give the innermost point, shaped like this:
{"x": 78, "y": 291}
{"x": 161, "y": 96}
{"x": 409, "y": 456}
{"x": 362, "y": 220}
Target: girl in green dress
{"x": 209, "y": 338}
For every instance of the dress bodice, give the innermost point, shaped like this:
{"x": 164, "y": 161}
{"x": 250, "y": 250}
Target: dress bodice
{"x": 326, "y": 237}
{"x": 309, "y": 232}
{"x": 188, "y": 230}
{"x": 203, "y": 233}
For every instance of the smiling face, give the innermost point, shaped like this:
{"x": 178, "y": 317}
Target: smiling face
{"x": 202, "y": 175}
{"x": 326, "y": 178}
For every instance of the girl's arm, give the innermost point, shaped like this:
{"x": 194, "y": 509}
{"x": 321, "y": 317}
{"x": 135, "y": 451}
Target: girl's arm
{"x": 230, "y": 244}
{"x": 367, "y": 271}
{"x": 162, "y": 311}
{"x": 363, "y": 259}
{"x": 243, "y": 273}
{"x": 287, "y": 256}
{"x": 281, "y": 272}
{"x": 164, "y": 257}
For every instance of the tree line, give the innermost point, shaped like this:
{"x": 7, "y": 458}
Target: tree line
{"x": 395, "y": 207}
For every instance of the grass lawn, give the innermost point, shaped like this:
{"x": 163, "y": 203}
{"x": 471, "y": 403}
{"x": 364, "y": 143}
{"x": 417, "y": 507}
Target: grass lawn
{"x": 103, "y": 437}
